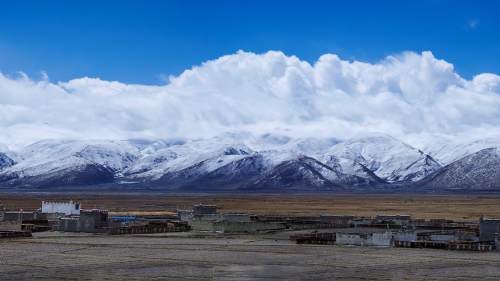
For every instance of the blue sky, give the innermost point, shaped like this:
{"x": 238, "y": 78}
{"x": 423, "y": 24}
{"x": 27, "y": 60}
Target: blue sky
{"x": 142, "y": 41}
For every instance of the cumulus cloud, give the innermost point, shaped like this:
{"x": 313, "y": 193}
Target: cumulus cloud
{"x": 404, "y": 95}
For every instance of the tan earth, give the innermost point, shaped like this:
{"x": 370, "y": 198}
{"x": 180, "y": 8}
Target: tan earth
{"x": 456, "y": 207}
{"x": 62, "y": 256}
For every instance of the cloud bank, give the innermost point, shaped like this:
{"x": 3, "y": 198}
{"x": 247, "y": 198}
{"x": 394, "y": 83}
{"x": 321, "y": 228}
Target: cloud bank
{"x": 404, "y": 95}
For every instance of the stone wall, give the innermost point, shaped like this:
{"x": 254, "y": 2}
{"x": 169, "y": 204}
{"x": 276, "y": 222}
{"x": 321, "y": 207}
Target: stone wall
{"x": 488, "y": 228}
{"x": 10, "y": 226}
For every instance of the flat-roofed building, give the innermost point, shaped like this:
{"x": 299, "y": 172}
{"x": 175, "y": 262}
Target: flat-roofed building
{"x": 66, "y": 208}
{"x": 202, "y": 209}
{"x": 488, "y": 229}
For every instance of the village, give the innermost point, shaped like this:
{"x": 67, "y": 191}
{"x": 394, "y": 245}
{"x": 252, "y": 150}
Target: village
{"x": 397, "y": 230}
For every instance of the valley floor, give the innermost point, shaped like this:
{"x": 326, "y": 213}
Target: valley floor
{"x": 426, "y": 206}
{"x": 179, "y": 256}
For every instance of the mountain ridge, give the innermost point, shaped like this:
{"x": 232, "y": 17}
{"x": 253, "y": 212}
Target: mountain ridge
{"x": 237, "y": 162}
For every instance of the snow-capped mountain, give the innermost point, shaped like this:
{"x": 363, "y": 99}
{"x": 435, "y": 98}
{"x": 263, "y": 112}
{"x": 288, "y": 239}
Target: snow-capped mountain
{"x": 477, "y": 171}
{"x": 306, "y": 173}
{"x": 61, "y": 163}
{"x": 386, "y": 157}
{"x": 242, "y": 161}
{"x": 447, "y": 150}
{"x": 5, "y": 161}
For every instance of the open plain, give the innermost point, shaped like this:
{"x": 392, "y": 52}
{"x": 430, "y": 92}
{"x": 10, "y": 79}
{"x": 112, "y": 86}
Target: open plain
{"x": 425, "y": 206}
{"x": 56, "y": 256}
{"x": 272, "y": 256}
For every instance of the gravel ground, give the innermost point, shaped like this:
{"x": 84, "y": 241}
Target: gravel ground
{"x": 61, "y": 256}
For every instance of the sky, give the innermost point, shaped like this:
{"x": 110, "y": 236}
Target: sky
{"x": 146, "y": 41}
{"x": 166, "y": 69}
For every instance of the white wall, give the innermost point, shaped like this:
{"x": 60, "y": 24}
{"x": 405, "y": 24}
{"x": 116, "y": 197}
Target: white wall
{"x": 67, "y": 208}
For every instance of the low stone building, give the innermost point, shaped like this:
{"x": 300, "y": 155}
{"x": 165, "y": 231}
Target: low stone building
{"x": 93, "y": 221}
{"x": 89, "y": 221}
{"x": 68, "y": 224}
{"x": 2, "y": 211}
{"x": 336, "y": 220}
{"x": 488, "y": 229}
{"x": 201, "y": 217}
{"x": 229, "y": 227}
{"x": 202, "y": 209}
{"x": 405, "y": 236}
{"x": 360, "y": 222}
{"x": 185, "y": 215}
{"x": 443, "y": 237}
{"x": 21, "y": 216}
{"x": 399, "y": 220}
{"x": 378, "y": 239}
{"x": 10, "y": 226}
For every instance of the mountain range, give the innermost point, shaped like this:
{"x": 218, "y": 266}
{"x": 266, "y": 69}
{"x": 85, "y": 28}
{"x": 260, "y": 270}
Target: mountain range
{"x": 244, "y": 162}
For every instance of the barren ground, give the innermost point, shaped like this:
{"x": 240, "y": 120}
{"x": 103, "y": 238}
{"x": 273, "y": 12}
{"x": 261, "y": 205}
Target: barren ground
{"x": 456, "y": 207}
{"x": 187, "y": 256}
{"x": 50, "y": 256}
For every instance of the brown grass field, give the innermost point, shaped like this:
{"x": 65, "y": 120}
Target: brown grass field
{"x": 456, "y": 207}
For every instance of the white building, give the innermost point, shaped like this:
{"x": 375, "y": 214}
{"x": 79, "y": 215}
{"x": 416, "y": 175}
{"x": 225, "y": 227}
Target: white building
{"x": 383, "y": 239}
{"x": 67, "y": 208}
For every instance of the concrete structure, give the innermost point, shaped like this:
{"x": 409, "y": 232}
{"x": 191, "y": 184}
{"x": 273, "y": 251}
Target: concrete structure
{"x": 405, "y": 236}
{"x": 393, "y": 219}
{"x": 137, "y": 227}
{"x": 201, "y": 217}
{"x": 322, "y": 238}
{"x": 10, "y": 226}
{"x": 202, "y": 209}
{"x": 66, "y": 208}
{"x": 68, "y": 224}
{"x": 20, "y": 216}
{"x": 246, "y": 227}
{"x": 185, "y": 215}
{"x": 488, "y": 229}
{"x": 382, "y": 239}
{"x": 349, "y": 239}
{"x": 93, "y": 221}
{"x": 2, "y": 211}
{"x": 443, "y": 237}
{"x": 236, "y": 217}
{"x": 89, "y": 221}
{"x": 446, "y": 245}
{"x": 359, "y": 222}
{"x": 337, "y": 220}
{"x": 199, "y": 225}
{"x": 205, "y": 218}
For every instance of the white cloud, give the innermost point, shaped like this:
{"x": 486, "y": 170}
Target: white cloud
{"x": 404, "y": 95}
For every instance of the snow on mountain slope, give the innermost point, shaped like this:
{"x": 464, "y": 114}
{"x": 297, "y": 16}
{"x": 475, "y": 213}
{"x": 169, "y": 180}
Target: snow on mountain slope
{"x": 477, "y": 171}
{"x": 447, "y": 149}
{"x": 232, "y": 173}
{"x": 50, "y": 155}
{"x": 228, "y": 161}
{"x": 5, "y": 161}
{"x": 305, "y": 146}
{"x": 354, "y": 168}
{"x": 212, "y": 153}
{"x": 54, "y": 162}
{"x": 385, "y": 156}
{"x": 305, "y": 173}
